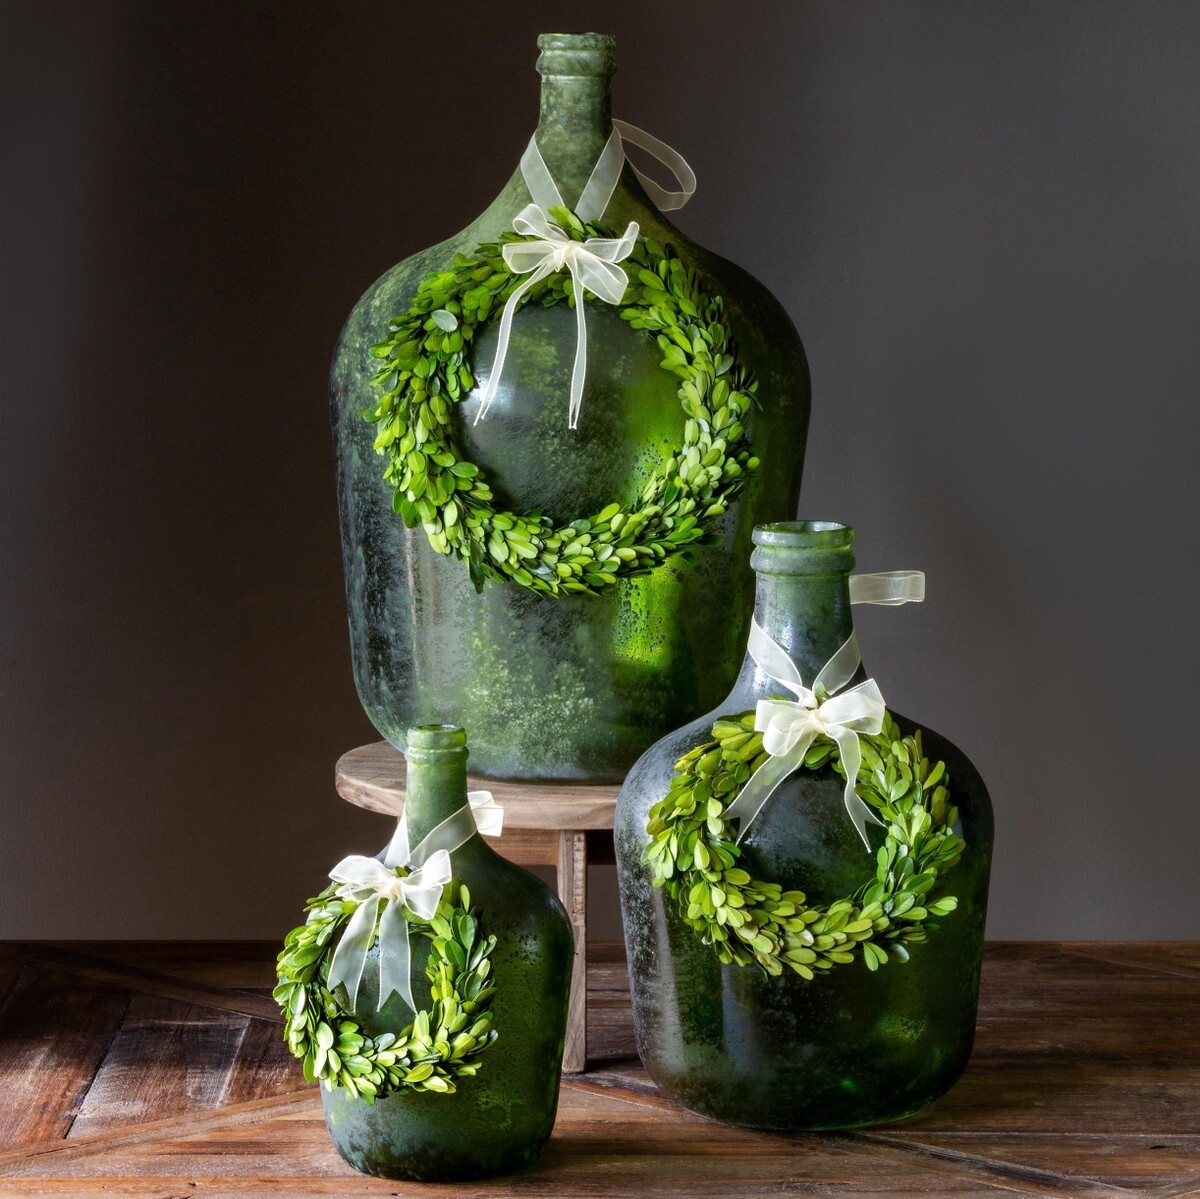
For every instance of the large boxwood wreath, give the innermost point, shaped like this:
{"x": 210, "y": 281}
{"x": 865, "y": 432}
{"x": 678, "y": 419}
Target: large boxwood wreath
{"x": 427, "y": 370}
{"x": 692, "y": 853}
{"x": 442, "y": 1044}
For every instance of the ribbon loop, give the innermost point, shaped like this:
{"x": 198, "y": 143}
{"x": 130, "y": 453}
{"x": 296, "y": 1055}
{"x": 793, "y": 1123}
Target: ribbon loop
{"x": 391, "y": 900}
{"x": 666, "y": 201}
{"x": 606, "y": 174}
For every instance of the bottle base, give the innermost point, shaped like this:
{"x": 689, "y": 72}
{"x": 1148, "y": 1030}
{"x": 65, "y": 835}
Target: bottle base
{"x": 448, "y": 1169}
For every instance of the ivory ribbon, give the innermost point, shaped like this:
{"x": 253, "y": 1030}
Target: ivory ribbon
{"x": 789, "y": 727}
{"x": 592, "y": 263}
{"x": 374, "y": 884}
{"x": 593, "y": 267}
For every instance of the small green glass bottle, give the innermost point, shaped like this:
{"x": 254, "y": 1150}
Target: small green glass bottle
{"x": 850, "y": 1046}
{"x": 498, "y": 1120}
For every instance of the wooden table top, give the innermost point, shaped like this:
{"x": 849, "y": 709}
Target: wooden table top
{"x": 373, "y": 776}
{"x": 157, "y": 1069}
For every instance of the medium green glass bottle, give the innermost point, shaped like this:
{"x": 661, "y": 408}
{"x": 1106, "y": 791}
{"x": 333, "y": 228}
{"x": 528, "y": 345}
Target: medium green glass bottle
{"x": 571, "y": 688}
{"x": 498, "y": 1120}
{"x": 850, "y": 1047}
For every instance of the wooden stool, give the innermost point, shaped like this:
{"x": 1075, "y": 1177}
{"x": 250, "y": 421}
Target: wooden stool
{"x": 564, "y": 825}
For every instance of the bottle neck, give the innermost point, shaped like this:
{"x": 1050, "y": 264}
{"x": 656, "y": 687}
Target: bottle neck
{"x": 810, "y": 617}
{"x": 576, "y": 107}
{"x": 802, "y": 598}
{"x": 436, "y": 789}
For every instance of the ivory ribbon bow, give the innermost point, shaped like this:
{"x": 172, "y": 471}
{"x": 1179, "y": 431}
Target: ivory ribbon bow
{"x": 593, "y": 267}
{"x": 789, "y": 727}
{"x": 592, "y": 263}
{"x": 374, "y": 884}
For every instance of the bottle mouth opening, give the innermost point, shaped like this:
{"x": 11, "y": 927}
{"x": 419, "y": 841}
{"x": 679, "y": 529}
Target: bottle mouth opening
{"x": 437, "y": 736}
{"x": 579, "y": 54}
{"x": 804, "y": 534}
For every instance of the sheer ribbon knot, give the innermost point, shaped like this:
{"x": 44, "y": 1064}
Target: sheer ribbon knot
{"x": 593, "y": 267}
{"x": 791, "y": 726}
{"x": 393, "y": 900}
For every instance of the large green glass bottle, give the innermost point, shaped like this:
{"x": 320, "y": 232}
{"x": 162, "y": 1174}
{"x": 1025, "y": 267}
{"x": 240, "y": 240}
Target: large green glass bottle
{"x": 850, "y": 1047}
{"x": 572, "y": 688}
{"x": 499, "y": 1119}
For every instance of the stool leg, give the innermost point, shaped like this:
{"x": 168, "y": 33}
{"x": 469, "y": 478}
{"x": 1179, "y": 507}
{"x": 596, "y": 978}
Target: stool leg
{"x": 572, "y": 890}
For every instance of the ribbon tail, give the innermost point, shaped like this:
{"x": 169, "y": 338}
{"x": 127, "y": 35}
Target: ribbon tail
{"x": 841, "y": 668}
{"x": 851, "y": 755}
{"x": 395, "y": 957}
{"x": 888, "y": 587}
{"x": 453, "y": 833}
{"x": 486, "y": 812}
{"x": 762, "y": 783}
{"x": 506, "y": 320}
{"x": 602, "y": 182}
{"x": 579, "y": 373}
{"x": 397, "y": 852}
{"x": 543, "y": 191}
{"x": 772, "y": 659}
{"x": 350, "y": 957}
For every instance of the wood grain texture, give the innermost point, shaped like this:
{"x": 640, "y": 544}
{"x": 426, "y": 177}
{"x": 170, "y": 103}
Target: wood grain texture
{"x": 167, "y": 1058}
{"x": 55, "y": 1030}
{"x": 80, "y": 960}
{"x": 1085, "y": 1084}
{"x": 572, "y": 890}
{"x": 372, "y": 777}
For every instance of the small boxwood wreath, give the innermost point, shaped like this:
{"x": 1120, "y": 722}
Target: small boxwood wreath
{"x": 442, "y": 1043}
{"x": 693, "y": 855}
{"x": 427, "y": 370}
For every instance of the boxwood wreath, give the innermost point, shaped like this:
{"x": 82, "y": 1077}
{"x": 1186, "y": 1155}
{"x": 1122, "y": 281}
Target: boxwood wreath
{"x": 692, "y": 854}
{"x": 426, "y": 370}
{"x": 442, "y": 1044}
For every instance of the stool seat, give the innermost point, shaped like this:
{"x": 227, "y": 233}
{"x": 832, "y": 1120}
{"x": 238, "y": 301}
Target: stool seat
{"x": 373, "y": 777}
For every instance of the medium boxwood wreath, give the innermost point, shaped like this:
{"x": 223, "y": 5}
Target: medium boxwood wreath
{"x": 693, "y": 855}
{"x": 442, "y": 1043}
{"x": 426, "y": 371}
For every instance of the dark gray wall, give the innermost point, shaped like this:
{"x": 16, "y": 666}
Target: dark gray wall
{"x": 983, "y": 218}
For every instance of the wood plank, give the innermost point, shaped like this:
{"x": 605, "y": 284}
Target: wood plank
{"x": 572, "y": 890}
{"x": 1057, "y": 1097}
{"x": 1163, "y": 957}
{"x": 136, "y": 978}
{"x": 10, "y": 971}
{"x": 373, "y": 777}
{"x": 600, "y": 1147}
{"x": 41, "y": 1160}
{"x": 1077, "y": 1089}
{"x": 226, "y": 965}
{"x": 54, "y": 1033}
{"x": 263, "y": 1067}
{"x": 1139, "y": 1163}
{"x": 167, "y": 1058}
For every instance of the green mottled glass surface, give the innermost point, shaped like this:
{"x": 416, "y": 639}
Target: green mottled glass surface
{"x": 850, "y": 1047}
{"x": 499, "y": 1119}
{"x": 572, "y": 688}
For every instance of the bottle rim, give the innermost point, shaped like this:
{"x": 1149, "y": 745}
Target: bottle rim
{"x": 577, "y": 54}
{"x": 427, "y": 737}
{"x": 804, "y": 534}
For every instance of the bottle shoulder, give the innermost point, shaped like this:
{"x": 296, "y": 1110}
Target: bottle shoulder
{"x": 968, "y": 791}
{"x": 510, "y": 898}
